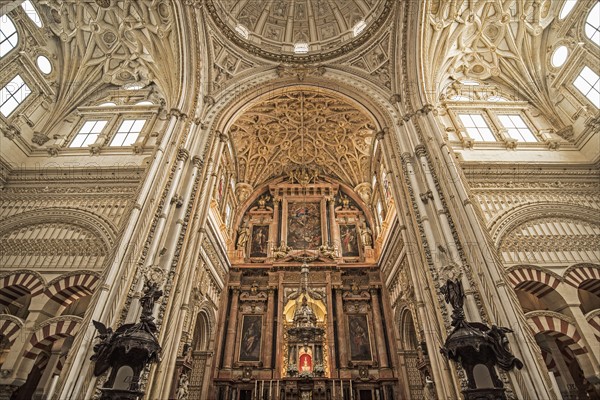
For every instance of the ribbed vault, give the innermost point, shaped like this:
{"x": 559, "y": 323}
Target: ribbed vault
{"x": 306, "y": 127}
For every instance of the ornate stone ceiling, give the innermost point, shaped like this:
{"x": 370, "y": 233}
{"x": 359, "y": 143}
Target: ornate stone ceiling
{"x": 303, "y": 127}
{"x": 274, "y": 27}
{"x": 489, "y": 40}
{"x": 102, "y": 43}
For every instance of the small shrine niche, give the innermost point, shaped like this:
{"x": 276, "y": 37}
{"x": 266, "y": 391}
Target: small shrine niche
{"x": 304, "y": 215}
{"x": 305, "y": 338}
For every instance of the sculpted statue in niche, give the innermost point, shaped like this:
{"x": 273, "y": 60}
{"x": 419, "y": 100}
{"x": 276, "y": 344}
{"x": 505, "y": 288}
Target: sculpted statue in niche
{"x": 366, "y": 236}
{"x": 243, "y": 234}
{"x": 262, "y": 202}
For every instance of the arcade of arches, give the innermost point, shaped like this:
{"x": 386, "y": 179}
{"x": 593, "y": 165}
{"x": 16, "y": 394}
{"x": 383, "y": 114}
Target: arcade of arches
{"x": 298, "y": 180}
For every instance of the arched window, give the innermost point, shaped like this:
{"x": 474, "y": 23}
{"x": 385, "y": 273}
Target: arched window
{"x": 9, "y": 37}
{"x": 567, "y": 8}
{"x": 592, "y": 24}
{"x": 32, "y": 13}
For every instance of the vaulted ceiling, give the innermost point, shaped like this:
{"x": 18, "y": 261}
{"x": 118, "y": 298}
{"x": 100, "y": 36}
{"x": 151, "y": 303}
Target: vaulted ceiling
{"x": 303, "y": 127}
{"x": 497, "y": 41}
{"x": 272, "y": 28}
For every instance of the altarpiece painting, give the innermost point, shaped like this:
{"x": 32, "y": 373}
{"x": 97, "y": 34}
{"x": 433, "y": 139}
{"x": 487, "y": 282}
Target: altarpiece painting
{"x": 250, "y": 338}
{"x": 304, "y": 225}
{"x": 360, "y": 341}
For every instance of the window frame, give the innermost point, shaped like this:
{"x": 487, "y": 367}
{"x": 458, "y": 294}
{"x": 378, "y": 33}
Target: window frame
{"x": 532, "y": 129}
{"x": 17, "y": 33}
{"x": 115, "y": 115}
{"x": 483, "y": 113}
{"x": 119, "y": 123}
{"x": 490, "y": 112}
{"x": 20, "y": 104}
{"x": 81, "y": 124}
{"x": 596, "y": 28}
{"x": 578, "y": 92}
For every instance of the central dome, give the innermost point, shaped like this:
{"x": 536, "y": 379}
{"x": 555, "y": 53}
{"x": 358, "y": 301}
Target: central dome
{"x": 299, "y": 30}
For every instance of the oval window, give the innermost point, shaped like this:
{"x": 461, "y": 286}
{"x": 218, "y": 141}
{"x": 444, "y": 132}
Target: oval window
{"x": 567, "y": 8}
{"x": 44, "y": 64}
{"x": 559, "y": 56}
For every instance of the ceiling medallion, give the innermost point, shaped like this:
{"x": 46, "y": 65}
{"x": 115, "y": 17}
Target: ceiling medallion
{"x": 310, "y": 32}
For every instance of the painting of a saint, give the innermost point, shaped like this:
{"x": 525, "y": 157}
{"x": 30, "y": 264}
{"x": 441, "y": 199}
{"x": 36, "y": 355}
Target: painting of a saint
{"x": 260, "y": 236}
{"x": 250, "y": 338}
{"x": 304, "y": 226}
{"x": 360, "y": 342}
{"x": 305, "y": 363}
{"x": 348, "y": 241}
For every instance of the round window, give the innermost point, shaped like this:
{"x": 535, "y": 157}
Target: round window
{"x": 44, "y": 64}
{"x": 559, "y": 56}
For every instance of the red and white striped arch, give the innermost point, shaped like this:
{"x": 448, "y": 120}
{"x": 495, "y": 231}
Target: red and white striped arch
{"x": 532, "y": 280}
{"x": 50, "y": 333}
{"x": 9, "y": 328}
{"x": 584, "y": 276}
{"x": 594, "y": 322}
{"x": 559, "y": 328}
{"x": 67, "y": 289}
{"x": 16, "y": 284}
{"x": 550, "y": 363}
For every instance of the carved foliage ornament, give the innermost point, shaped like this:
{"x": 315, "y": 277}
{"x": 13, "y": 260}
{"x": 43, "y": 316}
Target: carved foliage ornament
{"x": 303, "y": 128}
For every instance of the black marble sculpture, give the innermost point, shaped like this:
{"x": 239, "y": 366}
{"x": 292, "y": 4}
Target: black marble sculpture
{"x": 478, "y": 348}
{"x": 127, "y": 350}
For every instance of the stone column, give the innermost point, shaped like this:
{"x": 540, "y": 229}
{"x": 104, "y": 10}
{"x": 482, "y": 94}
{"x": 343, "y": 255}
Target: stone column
{"x": 378, "y": 326}
{"x": 268, "y": 343}
{"x": 231, "y": 330}
{"x": 280, "y": 305}
{"x": 330, "y": 339}
{"x": 46, "y": 379}
{"x": 565, "y": 374}
{"x": 341, "y": 325}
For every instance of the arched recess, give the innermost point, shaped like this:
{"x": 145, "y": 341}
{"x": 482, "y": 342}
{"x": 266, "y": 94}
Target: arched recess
{"x": 556, "y": 334}
{"x": 10, "y": 326}
{"x": 15, "y": 284}
{"x": 361, "y": 94}
{"x": 593, "y": 318}
{"x": 546, "y": 233}
{"x": 511, "y": 219}
{"x": 50, "y": 331}
{"x": 101, "y": 227}
{"x": 17, "y": 288}
{"x": 202, "y": 351}
{"x": 586, "y": 279}
{"x": 536, "y": 288}
{"x": 69, "y": 288}
{"x": 410, "y": 355}
{"x": 47, "y": 235}
{"x": 559, "y": 326}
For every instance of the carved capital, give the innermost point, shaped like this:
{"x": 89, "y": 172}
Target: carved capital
{"x": 182, "y": 154}
{"x": 10, "y": 132}
{"x": 197, "y": 161}
{"x": 420, "y": 150}
{"x": 406, "y": 157}
{"x": 39, "y": 138}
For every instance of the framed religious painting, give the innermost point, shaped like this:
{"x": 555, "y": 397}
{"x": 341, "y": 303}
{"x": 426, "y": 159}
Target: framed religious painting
{"x": 304, "y": 225}
{"x": 359, "y": 338}
{"x": 250, "y": 338}
{"x": 260, "y": 238}
{"x": 349, "y": 241}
